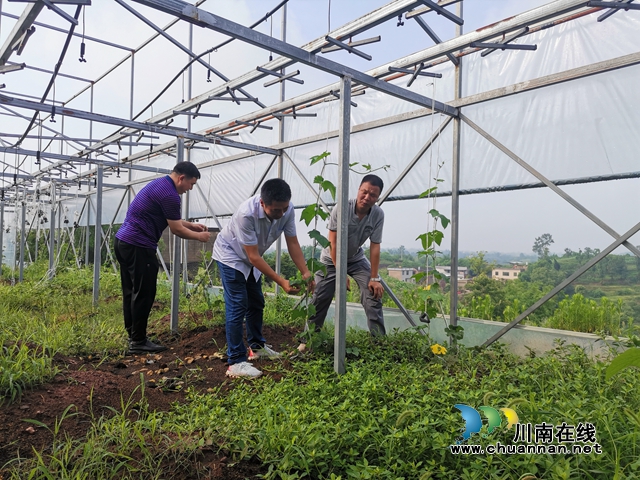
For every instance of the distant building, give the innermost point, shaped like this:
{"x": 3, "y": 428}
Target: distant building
{"x": 404, "y": 274}
{"x": 507, "y": 273}
{"x": 463, "y": 272}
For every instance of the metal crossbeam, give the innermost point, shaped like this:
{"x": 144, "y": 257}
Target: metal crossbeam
{"x": 208, "y": 20}
{"x": 60, "y": 12}
{"x": 615, "y": 5}
{"x": 435, "y": 38}
{"x": 442, "y": 11}
{"x": 31, "y": 12}
{"x": 415, "y": 73}
{"x": 164, "y": 130}
{"x": 357, "y": 43}
{"x": 611, "y": 11}
{"x": 503, "y": 46}
{"x": 347, "y": 47}
{"x": 507, "y": 39}
{"x": 280, "y": 76}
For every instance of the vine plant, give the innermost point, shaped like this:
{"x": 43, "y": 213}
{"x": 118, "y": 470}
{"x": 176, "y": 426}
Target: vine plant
{"x": 432, "y": 293}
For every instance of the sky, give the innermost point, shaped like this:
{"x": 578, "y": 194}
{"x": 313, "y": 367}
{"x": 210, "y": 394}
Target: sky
{"x": 505, "y": 222}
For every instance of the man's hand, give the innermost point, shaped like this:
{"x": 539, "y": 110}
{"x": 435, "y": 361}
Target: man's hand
{"x": 291, "y": 290}
{"x": 198, "y": 227}
{"x": 348, "y": 284}
{"x": 311, "y": 285}
{"x": 376, "y": 289}
{"x": 204, "y": 236}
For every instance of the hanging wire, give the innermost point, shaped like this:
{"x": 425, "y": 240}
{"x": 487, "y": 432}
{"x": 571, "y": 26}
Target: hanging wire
{"x": 82, "y": 44}
{"x": 271, "y": 35}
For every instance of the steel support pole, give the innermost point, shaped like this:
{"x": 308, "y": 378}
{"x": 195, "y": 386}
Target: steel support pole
{"x": 455, "y": 194}
{"x": 22, "y": 239}
{"x": 175, "y": 259}
{"x": 88, "y": 237}
{"x": 52, "y": 228}
{"x": 185, "y": 204}
{"x": 283, "y": 36}
{"x": 340, "y": 342}
{"x": 97, "y": 238}
{"x": 1, "y": 235}
{"x": 397, "y": 301}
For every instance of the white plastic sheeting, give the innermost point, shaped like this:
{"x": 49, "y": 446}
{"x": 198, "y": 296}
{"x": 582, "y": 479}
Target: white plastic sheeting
{"x": 582, "y": 128}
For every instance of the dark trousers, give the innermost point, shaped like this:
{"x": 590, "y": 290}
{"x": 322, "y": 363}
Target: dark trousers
{"x": 138, "y": 275}
{"x": 243, "y": 299}
{"x": 360, "y": 271}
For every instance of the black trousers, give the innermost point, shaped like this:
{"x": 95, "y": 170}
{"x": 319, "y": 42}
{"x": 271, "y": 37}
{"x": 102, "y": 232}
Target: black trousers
{"x": 138, "y": 275}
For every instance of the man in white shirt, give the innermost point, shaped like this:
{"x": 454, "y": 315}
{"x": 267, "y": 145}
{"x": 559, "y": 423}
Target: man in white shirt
{"x": 238, "y": 250}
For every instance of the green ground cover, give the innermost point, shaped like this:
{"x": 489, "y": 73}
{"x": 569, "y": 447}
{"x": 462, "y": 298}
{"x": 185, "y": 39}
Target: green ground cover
{"x": 390, "y": 416}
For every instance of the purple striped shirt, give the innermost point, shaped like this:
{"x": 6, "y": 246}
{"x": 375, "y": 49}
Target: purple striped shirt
{"x": 148, "y": 213}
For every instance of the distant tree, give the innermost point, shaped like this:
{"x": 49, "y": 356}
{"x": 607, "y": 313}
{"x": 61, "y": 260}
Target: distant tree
{"x": 568, "y": 252}
{"x": 478, "y": 265}
{"x": 617, "y": 267}
{"x": 287, "y": 267}
{"x": 541, "y": 245}
{"x": 482, "y": 286}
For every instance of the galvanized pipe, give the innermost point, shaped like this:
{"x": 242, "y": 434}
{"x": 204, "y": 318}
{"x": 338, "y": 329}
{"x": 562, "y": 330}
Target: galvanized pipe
{"x": 175, "y": 260}
{"x": 340, "y": 342}
{"x": 97, "y": 240}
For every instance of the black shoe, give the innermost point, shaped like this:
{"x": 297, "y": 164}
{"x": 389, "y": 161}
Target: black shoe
{"x": 145, "y": 346}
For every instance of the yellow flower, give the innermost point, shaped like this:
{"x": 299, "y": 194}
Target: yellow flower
{"x": 428, "y": 287}
{"x": 438, "y": 349}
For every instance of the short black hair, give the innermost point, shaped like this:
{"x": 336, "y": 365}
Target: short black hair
{"x": 275, "y": 190}
{"x": 374, "y": 180}
{"x": 187, "y": 169}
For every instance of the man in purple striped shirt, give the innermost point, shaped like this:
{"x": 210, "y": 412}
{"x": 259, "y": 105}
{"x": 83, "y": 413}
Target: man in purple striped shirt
{"x": 155, "y": 206}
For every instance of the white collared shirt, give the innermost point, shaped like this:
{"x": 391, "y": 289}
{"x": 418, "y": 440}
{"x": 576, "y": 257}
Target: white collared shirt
{"x": 251, "y": 226}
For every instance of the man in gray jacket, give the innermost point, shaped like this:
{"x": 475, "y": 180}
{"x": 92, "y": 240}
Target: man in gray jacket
{"x": 366, "y": 221}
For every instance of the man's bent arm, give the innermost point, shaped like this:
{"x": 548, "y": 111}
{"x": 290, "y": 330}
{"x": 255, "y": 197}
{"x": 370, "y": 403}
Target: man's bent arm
{"x": 374, "y": 253}
{"x": 333, "y": 240}
{"x": 177, "y": 228}
{"x": 196, "y": 227}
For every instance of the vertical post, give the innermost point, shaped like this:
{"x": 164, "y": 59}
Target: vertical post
{"x": 175, "y": 258}
{"x": 130, "y": 174}
{"x": 1, "y": 234}
{"x": 340, "y": 343}
{"x": 23, "y": 211}
{"x": 52, "y": 228}
{"x": 36, "y": 218}
{"x": 455, "y": 196}
{"x": 283, "y": 34}
{"x": 187, "y": 199}
{"x": 97, "y": 238}
{"x": 88, "y": 239}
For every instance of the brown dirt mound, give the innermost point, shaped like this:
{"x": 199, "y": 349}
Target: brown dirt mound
{"x": 92, "y": 385}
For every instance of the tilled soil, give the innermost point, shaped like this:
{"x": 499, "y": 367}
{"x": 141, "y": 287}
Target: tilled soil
{"x": 92, "y": 385}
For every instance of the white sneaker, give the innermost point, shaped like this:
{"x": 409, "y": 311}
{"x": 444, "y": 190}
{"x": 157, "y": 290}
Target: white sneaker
{"x": 243, "y": 369}
{"x": 264, "y": 352}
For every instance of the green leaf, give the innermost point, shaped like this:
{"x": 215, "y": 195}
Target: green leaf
{"x": 330, "y": 187}
{"x": 318, "y": 237}
{"x": 426, "y": 193}
{"x": 318, "y": 179}
{"x": 315, "y": 265}
{"x": 423, "y": 240}
{"x": 353, "y": 164}
{"x": 315, "y": 159}
{"x": 630, "y": 358}
{"x": 321, "y": 213}
{"x": 308, "y": 214}
{"x": 367, "y": 166}
{"x": 419, "y": 276}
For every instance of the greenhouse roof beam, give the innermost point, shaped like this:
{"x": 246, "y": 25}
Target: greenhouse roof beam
{"x": 62, "y": 30}
{"x": 219, "y": 24}
{"x": 24, "y": 23}
{"x": 611, "y": 11}
{"x": 435, "y": 38}
{"x": 362, "y": 24}
{"x": 66, "y": 181}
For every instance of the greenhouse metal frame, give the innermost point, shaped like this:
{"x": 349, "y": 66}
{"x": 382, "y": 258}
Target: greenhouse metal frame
{"x": 49, "y": 177}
